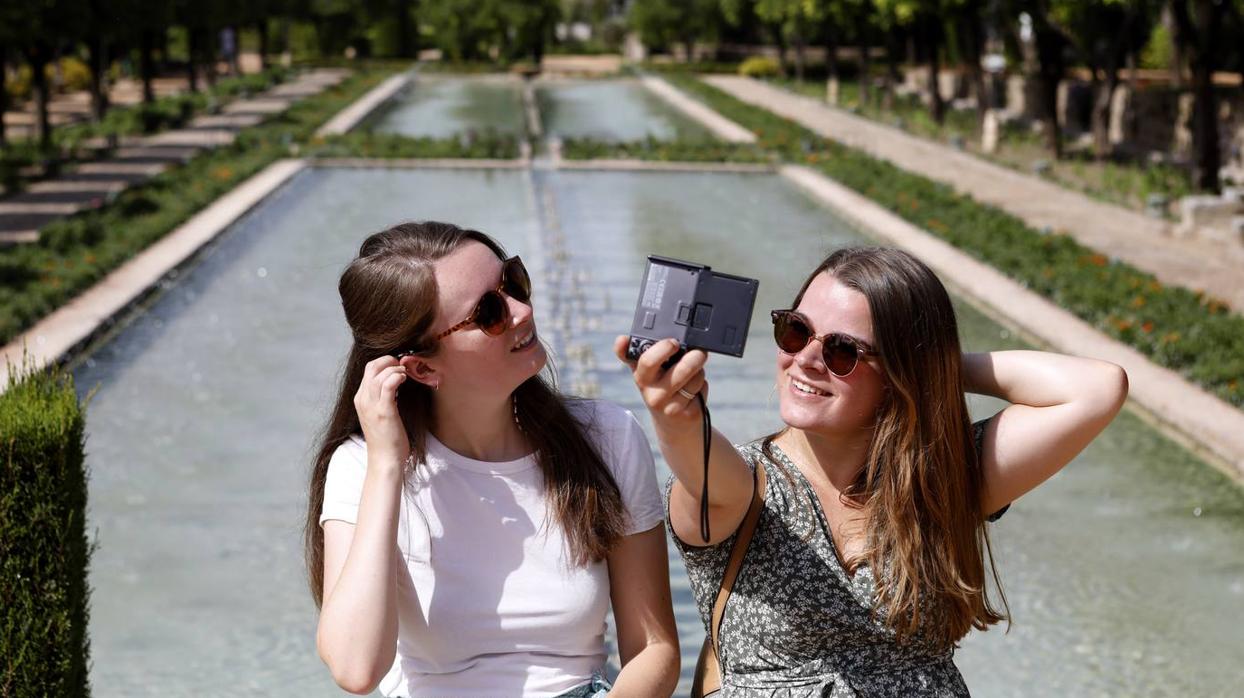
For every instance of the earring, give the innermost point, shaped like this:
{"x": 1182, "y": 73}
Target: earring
{"x": 517, "y": 423}
{"x": 436, "y": 386}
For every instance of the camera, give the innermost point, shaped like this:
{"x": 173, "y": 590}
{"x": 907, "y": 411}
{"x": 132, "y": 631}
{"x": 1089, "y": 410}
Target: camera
{"x": 699, "y": 307}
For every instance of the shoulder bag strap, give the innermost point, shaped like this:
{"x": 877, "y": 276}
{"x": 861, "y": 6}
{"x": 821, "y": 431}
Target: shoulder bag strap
{"x": 737, "y": 552}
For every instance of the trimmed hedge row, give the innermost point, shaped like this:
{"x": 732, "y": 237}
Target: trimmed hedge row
{"x": 371, "y": 144}
{"x": 44, "y": 551}
{"x": 75, "y": 252}
{"x": 654, "y": 149}
{"x": 1191, "y": 333}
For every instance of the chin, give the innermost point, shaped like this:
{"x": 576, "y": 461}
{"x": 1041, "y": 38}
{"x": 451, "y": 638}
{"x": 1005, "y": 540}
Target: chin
{"x": 798, "y": 417}
{"x": 534, "y": 362}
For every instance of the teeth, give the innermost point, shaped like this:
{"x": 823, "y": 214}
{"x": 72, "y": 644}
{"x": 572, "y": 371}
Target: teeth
{"x": 805, "y": 388}
{"x": 525, "y": 340}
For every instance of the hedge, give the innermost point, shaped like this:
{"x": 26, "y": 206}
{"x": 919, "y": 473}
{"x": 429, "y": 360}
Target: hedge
{"x": 44, "y": 552}
{"x": 655, "y": 149}
{"x": 1188, "y": 332}
{"x": 371, "y": 144}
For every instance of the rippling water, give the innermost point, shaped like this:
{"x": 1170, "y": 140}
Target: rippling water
{"x": 1125, "y": 573}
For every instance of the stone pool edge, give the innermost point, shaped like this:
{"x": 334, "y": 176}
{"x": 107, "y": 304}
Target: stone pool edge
{"x": 1207, "y": 425}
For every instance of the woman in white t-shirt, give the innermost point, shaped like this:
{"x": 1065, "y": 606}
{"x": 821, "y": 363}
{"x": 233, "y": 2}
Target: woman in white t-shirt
{"x": 468, "y": 527}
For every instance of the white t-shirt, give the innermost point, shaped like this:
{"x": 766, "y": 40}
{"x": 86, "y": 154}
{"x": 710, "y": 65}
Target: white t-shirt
{"x": 488, "y": 602}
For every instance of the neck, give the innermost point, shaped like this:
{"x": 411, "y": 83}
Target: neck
{"x": 480, "y": 428}
{"x": 836, "y": 457}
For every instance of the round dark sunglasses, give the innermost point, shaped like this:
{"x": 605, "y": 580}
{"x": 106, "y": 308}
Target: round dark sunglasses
{"x": 492, "y": 312}
{"x": 840, "y": 352}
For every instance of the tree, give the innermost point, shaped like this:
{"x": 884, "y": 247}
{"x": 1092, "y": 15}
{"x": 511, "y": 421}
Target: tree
{"x": 1103, "y": 33}
{"x": 662, "y": 23}
{"x": 1197, "y": 32}
{"x": 39, "y": 26}
{"x": 1051, "y": 46}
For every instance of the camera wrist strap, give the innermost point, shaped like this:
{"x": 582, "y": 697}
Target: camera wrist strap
{"x": 708, "y": 440}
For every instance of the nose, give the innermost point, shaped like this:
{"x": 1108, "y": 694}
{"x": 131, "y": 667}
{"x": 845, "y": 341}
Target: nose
{"x": 809, "y": 358}
{"x": 520, "y": 312}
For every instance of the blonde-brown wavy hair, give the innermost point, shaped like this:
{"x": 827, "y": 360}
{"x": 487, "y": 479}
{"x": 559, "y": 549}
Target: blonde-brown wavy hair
{"x": 920, "y": 487}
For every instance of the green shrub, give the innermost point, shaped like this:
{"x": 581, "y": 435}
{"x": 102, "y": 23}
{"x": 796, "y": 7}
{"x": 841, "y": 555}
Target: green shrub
{"x": 1188, "y": 332}
{"x": 760, "y": 67}
{"x": 370, "y": 144}
{"x": 21, "y": 85}
{"x": 44, "y": 550}
{"x": 666, "y": 151}
{"x": 75, "y": 75}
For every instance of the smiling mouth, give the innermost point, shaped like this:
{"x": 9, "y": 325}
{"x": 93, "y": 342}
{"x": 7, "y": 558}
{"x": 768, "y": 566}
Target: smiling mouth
{"x": 803, "y": 388}
{"x": 525, "y": 341}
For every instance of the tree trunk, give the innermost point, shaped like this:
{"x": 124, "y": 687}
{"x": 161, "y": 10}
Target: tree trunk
{"x": 799, "y": 51}
{"x": 973, "y": 43}
{"x": 406, "y": 35}
{"x": 147, "y": 64}
{"x": 937, "y": 107}
{"x": 4, "y": 94}
{"x": 37, "y": 58}
{"x": 97, "y": 64}
{"x": 208, "y": 48}
{"x": 865, "y": 78}
{"x": 193, "y": 50}
{"x": 1050, "y": 70}
{"x": 832, "y": 79}
{"x": 893, "y": 43}
{"x": 780, "y": 39}
{"x": 1203, "y": 42}
{"x": 261, "y": 28}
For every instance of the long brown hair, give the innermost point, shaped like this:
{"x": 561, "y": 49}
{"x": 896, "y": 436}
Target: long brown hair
{"x": 389, "y": 295}
{"x": 920, "y": 487}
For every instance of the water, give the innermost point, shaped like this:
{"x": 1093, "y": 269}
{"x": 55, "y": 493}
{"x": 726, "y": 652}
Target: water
{"x": 201, "y": 429}
{"x": 440, "y": 107}
{"x": 611, "y": 110}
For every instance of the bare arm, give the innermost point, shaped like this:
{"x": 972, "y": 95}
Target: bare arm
{"x": 1059, "y": 405}
{"x": 647, "y": 636}
{"x": 357, "y": 633}
{"x": 680, "y": 436}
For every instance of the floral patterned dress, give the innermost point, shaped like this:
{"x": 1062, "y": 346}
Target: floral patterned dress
{"x": 797, "y": 624}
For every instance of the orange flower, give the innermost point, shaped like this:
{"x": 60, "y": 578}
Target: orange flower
{"x": 1147, "y": 327}
{"x": 1138, "y": 301}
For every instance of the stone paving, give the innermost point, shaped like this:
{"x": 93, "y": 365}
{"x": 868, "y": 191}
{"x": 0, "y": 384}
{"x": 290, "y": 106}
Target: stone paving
{"x": 1143, "y": 242}
{"x": 91, "y": 184}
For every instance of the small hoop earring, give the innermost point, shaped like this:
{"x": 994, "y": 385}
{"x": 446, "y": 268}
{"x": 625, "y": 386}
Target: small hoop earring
{"x": 514, "y": 402}
{"x": 436, "y": 386}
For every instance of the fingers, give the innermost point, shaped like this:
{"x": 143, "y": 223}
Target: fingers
{"x": 648, "y": 369}
{"x": 620, "y": 343}
{"x": 389, "y": 381}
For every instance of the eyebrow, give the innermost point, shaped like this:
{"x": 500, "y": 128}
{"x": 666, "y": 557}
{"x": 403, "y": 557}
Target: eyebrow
{"x": 866, "y": 344}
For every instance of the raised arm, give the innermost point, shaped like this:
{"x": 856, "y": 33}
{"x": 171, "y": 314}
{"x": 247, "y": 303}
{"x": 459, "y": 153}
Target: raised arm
{"x": 679, "y": 432}
{"x": 1059, "y": 405}
{"x": 357, "y": 633}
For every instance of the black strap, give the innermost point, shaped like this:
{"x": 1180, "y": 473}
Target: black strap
{"x": 708, "y": 440}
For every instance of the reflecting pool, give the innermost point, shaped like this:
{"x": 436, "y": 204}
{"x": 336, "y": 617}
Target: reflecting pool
{"x": 1125, "y": 573}
{"x": 620, "y": 109}
{"x": 437, "y": 106}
